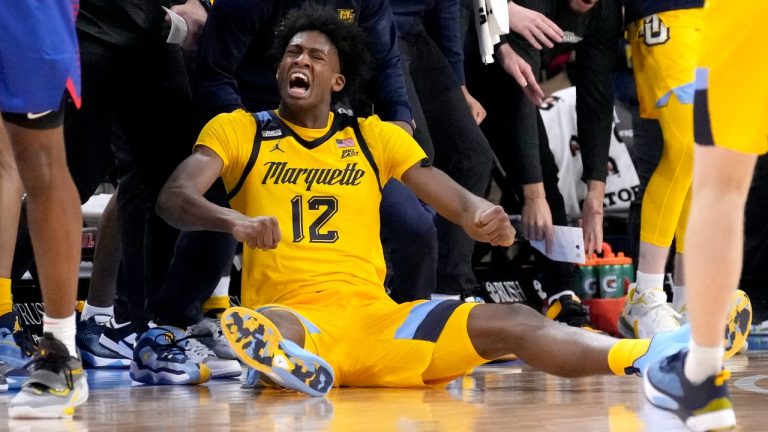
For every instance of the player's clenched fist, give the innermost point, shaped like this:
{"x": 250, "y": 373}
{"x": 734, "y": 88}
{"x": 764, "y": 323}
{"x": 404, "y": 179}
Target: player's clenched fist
{"x": 260, "y": 232}
{"x": 492, "y": 225}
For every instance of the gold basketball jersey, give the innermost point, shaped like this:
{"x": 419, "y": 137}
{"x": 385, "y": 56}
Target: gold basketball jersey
{"x": 324, "y": 188}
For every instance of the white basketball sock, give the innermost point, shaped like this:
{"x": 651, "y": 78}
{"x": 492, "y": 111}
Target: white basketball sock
{"x": 62, "y": 329}
{"x": 91, "y": 310}
{"x": 703, "y": 362}
{"x": 649, "y": 281}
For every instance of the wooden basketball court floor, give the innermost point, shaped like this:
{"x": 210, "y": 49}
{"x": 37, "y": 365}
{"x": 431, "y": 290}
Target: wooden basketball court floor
{"x": 509, "y": 396}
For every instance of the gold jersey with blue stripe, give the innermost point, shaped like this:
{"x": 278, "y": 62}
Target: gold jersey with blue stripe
{"x": 324, "y": 188}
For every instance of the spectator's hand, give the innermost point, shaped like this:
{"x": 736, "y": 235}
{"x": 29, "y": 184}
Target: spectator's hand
{"x": 260, "y": 232}
{"x": 478, "y": 112}
{"x": 521, "y": 71}
{"x": 195, "y": 15}
{"x": 537, "y": 221}
{"x": 491, "y": 225}
{"x": 536, "y": 28}
{"x": 592, "y": 221}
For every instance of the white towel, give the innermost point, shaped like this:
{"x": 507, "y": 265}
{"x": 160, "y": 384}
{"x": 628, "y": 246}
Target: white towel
{"x": 491, "y": 21}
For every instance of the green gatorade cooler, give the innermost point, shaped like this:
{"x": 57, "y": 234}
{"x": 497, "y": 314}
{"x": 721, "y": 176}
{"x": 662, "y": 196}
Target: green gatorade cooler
{"x": 628, "y": 270}
{"x": 585, "y": 279}
{"x": 611, "y": 275}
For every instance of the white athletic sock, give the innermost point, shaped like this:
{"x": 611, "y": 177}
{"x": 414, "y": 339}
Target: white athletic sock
{"x": 222, "y": 289}
{"x": 91, "y": 310}
{"x": 703, "y": 362}
{"x": 678, "y": 297}
{"x": 649, "y": 281}
{"x": 62, "y": 329}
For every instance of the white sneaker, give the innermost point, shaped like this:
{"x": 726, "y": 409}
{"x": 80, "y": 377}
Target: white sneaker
{"x": 208, "y": 331}
{"x": 760, "y": 328}
{"x": 199, "y": 353}
{"x": 647, "y": 314}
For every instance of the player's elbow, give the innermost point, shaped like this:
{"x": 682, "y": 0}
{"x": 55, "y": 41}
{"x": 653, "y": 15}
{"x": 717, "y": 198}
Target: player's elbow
{"x": 170, "y": 204}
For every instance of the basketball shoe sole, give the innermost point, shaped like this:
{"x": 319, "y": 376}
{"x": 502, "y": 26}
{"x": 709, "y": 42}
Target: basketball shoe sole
{"x": 257, "y": 342}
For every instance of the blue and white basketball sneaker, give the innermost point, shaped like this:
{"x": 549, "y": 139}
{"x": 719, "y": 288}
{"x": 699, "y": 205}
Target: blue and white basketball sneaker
{"x": 11, "y": 352}
{"x": 159, "y": 359}
{"x": 702, "y": 407}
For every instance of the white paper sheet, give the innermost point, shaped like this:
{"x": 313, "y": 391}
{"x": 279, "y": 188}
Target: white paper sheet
{"x": 179, "y": 27}
{"x": 567, "y": 245}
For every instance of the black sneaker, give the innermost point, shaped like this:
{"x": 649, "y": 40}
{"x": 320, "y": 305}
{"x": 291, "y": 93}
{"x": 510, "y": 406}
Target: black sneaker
{"x": 568, "y": 309}
{"x": 93, "y": 352}
{"x": 119, "y": 338}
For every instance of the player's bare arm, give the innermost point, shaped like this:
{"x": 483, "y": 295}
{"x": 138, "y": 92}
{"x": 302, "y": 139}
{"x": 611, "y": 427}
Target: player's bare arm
{"x": 481, "y": 219}
{"x": 182, "y": 204}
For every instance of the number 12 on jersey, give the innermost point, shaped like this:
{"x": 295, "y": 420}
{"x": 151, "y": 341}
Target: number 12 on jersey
{"x": 327, "y": 205}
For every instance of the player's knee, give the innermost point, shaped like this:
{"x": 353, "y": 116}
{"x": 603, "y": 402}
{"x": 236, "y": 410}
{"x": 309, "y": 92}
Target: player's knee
{"x": 722, "y": 186}
{"x": 499, "y": 329}
{"x": 40, "y": 168}
{"x": 519, "y": 314}
{"x": 289, "y": 325}
{"x": 508, "y": 320}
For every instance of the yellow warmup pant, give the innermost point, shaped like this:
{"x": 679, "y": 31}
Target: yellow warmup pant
{"x": 667, "y": 197}
{"x": 665, "y": 52}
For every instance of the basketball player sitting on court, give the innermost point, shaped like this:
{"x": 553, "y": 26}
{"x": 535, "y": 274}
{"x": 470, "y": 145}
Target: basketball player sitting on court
{"x": 305, "y": 185}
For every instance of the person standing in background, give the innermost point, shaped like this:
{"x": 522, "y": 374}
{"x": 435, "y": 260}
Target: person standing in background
{"x": 447, "y": 119}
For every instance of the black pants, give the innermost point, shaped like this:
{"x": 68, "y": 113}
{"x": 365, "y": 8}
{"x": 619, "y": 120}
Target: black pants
{"x": 200, "y": 260}
{"x": 495, "y": 89}
{"x": 448, "y": 133}
{"x": 139, "y": 100}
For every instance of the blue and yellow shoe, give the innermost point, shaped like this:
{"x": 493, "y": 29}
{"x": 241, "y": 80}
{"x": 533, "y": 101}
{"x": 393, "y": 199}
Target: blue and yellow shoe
{"x": 702, "y": 407}
{"x": 158, "y": 359}
{"x": 257, "y": 342}
{"x": 739, "y": 323}
{"x": 10, "y": 333}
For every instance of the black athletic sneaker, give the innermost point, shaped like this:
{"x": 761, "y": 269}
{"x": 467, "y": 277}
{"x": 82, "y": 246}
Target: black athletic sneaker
{"x": 568, "y": 309}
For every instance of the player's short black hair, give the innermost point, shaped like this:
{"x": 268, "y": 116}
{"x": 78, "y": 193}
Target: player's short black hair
{"x": 348, "y": 38}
